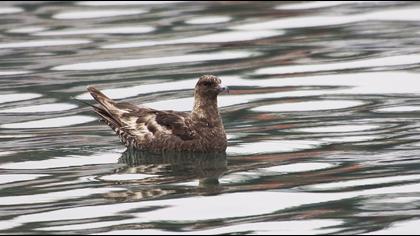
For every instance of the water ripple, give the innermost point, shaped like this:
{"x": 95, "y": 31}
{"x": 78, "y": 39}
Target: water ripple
{"x": 403, "y": 14}
{"x": 114, "y": 64}
{"x": 322, "y": 117}
{"x": 308, "y": 106}
{"x": 297, "y": 227}
{"x": 360, "y": 63}
{"x": 273, "y": 146}
{"x": 44, "y": 43}
{"x": 124, "y": 3}
{"x": 314, "y": 5}
{"x": 40, "y": 108}
{"x": 10, "y": 10}
{"x": 60, "y": 162}
{"x": 4, "y": 98}
{"x": 363, "y": 182}
{"x": 51, "y": 197}
{"x": 50, "y": 122}
{"x": 208, "y": 20}
{"x": 75, "y": 15}
{"x": 211, "y": 38}
{"x": 339, "y": 128}
{"x": 105, "y": 30}
{"x": 5, "y": 179}
{"x": 26, "y": 30}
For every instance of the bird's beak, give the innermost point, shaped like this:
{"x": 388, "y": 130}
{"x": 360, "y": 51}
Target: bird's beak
{"x": 223, "y": 89}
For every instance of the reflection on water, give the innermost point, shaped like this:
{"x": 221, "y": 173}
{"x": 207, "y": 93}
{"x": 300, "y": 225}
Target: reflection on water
{"x": 105, "y": 30}
{"x": 322, "y": 119}
{"x": 43, "y": 43}
{"x": 223, "y": 37}
{"x": 206, "y": 167}
{"x": 116, "y": 64}
{"x": 76, "y": 15}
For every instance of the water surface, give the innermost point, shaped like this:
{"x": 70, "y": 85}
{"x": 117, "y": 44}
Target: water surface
{"x": 322, "y": 120}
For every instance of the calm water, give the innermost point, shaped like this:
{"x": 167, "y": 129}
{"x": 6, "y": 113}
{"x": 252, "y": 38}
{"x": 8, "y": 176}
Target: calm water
{"x": 323, "y": 118}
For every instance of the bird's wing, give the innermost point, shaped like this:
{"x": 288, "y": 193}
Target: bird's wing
{"x": 140, "y": 124}
{"x": 121, "y": 117}
{"x": 178, "y": 123}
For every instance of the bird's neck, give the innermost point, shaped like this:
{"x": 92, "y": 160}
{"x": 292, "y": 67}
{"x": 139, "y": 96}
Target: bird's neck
{"x": 206, "y": 110}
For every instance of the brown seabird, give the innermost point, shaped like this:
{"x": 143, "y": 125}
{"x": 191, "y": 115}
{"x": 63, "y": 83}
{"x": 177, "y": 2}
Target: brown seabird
{"x": 147, "y": 129}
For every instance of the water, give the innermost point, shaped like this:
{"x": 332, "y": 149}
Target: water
{"x": 323, "y": 119}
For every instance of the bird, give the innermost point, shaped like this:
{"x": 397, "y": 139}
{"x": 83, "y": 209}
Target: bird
{"x": 142, "y": 128}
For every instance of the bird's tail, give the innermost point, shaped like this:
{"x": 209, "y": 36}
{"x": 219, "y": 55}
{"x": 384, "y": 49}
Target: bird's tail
{"x": 105, "y": 101}
{"x": 106, "y": 109}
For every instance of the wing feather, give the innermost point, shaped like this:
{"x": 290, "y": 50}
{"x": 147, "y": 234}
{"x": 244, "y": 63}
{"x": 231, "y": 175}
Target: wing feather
{"x": 177, "y": 123}
{"x": 140, "y": 125}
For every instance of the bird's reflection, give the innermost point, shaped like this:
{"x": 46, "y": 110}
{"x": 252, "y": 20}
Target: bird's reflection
{"x": 176, "y": 166}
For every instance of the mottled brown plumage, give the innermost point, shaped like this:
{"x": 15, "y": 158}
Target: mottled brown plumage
{"x": 143, "y": 128}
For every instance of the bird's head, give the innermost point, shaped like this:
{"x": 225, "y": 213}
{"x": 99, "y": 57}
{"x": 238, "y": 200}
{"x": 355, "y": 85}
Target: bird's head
{"x": 209, "y": 86}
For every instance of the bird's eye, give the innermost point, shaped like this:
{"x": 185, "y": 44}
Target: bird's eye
{"x": 207, "y": 83}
